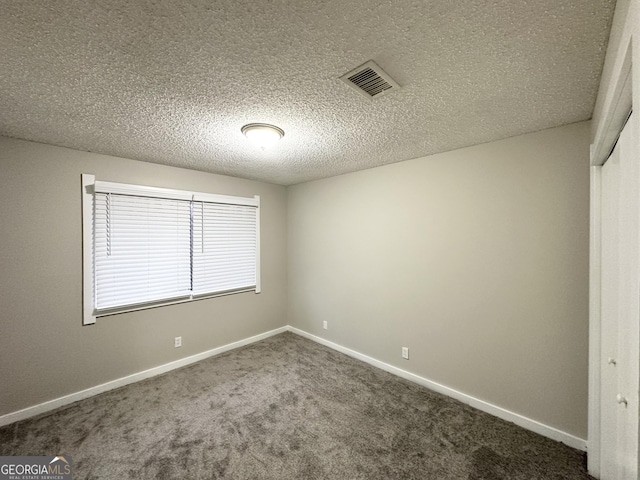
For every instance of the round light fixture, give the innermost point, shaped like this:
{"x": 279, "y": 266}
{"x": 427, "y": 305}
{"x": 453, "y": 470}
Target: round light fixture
{"x": 262, "y": 134}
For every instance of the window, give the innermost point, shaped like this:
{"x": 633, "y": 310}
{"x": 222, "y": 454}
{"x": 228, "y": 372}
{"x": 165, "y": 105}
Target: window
{"x": 146, "y": 246}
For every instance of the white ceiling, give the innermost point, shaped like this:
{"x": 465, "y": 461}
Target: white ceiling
{"x": 173, "y": 82}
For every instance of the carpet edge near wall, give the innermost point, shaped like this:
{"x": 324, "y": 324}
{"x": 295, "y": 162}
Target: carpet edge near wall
{"x": 58, "y": 402}
{"x": 520, "y": 420}
{"x": 487, "y": 407}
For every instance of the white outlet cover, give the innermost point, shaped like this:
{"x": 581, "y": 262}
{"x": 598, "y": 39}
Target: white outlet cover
{"x": 405, "y": 352}
{"x": 325, "y": 324}
{"x": 178, "y": 342}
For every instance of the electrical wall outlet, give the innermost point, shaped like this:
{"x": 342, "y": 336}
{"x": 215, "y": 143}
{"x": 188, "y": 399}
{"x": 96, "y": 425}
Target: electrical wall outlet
{"x": 177, "y": 342}
{"x": 405, "y": 353}
{"x": 325, "y": 324}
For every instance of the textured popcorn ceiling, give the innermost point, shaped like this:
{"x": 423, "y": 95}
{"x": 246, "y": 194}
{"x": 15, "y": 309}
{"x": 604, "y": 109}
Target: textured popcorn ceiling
{"x": 172, "y": 81}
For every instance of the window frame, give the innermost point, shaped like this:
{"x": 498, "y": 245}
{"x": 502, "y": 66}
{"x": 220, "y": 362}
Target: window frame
{"x": 91, "y": 186}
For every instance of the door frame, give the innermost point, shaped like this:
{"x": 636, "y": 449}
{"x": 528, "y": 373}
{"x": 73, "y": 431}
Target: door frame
{"x": 615, "y": 99}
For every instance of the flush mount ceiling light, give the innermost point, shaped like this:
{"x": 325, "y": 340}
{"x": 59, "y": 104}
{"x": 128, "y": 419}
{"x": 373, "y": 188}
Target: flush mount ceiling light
{"x": 262, "y": 134}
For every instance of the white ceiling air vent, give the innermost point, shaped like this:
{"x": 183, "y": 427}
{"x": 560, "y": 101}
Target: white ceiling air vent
{"x": 370, "y": 80}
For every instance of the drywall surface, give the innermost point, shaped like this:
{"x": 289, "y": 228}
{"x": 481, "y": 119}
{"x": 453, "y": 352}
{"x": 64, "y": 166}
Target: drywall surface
{"x": 475, "y": 259}
{"x": 45, "y": 352}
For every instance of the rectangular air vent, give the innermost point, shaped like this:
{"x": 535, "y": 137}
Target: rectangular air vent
{"x": 370, "y": 80}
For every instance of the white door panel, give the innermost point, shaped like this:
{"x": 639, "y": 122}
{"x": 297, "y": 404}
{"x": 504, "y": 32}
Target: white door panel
{"x": 609, "y": 336}
{"x": 620, "y": 310}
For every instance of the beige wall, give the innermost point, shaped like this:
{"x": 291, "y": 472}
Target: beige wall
{"x": 45, "y": 352}
{"x": 475, "y": 259}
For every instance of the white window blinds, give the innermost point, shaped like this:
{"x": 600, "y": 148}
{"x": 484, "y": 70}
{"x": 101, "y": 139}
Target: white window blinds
{"x": 141, "y": 250}
{"x": 155, "y": 246}
{"x": 224, "y": 247}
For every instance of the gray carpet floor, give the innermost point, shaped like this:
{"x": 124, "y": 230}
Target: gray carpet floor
{"x": 286, "y": 408}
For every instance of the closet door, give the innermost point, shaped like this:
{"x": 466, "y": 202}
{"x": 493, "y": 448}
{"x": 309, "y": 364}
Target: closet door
{"x": 619, "y": 310}
{"x": 610, "y": 314}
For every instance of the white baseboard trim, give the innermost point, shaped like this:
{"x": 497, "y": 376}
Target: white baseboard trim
{"x": 509, "y": 416}
{"x": 136, "y": 377}
{"x": 487, "y": 407}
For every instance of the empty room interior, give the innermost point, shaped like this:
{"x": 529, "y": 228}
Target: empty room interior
{"x": 320, "y": 239}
